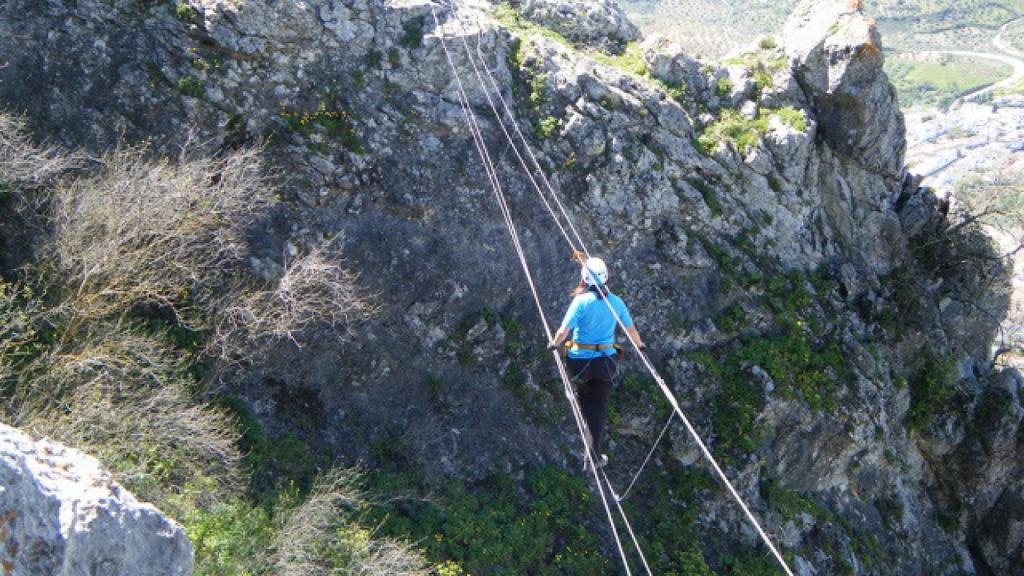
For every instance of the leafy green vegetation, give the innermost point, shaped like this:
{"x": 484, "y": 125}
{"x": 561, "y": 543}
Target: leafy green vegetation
{"x": 538, "y": 89}
{"x": 335, "y": 124}
{"x": 731, "y": 320}
{"x": 763, "y": 80}
{"x": 676, "y": 91}
{"x": 631, "y": 60}
{"x": 546, "y": 127}
{"x": 746, "y": 133}
{"x": 789, "y": 503}
{"x": 932, "y": 389}
{"x": 230, "y": 538}
{"x": 191, "y": 86}
{"x": 708, "y": 194}
{"x": 412, "y": 36}
{"x": 801, "y": 362}
{"x": 723, "y": 87}
{"x": 795, "y": 119}
{"x": 493, "y": 528}
{"x": 184, "y": 12}
{"x": 732, "y": 127}
{"x": 509, "y": 17}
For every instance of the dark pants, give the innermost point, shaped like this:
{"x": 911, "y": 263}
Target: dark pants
{"x": 593, "y": 387}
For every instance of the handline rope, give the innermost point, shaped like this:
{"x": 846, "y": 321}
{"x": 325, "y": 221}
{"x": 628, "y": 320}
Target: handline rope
{"x": 572, "y": 399}
{"x": 670, "y": 396}
{"x": 666, "y": 391}
{"x": 480, "y": 144}
{"x": 533, "y": 157}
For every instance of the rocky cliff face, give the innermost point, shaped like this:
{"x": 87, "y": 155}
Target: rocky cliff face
{"x": 62, "y": 515}
{"x": 823, "y": 320}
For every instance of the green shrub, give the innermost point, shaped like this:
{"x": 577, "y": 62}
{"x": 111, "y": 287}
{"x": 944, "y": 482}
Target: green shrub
{"x": 752, "y": 565}
{"x": 546, "y": 127}
{"x": 184, "y": 12}
{"x": 191, "y": 86}
{"x": 676, "y": 91}
{"x": 792, "y": 117}
{"x": 436, "y": 386}
{"x": 735, "y": 410}
{"x": 744, "y": 133}
{"x": 335, "y": 123}
{"x": 230, "y": 539}
{"x": 763, "y": 80}
{"x": 492, "y": 528}
{"x": 789, "y": 503}
{"x": 723, "y": 88}
{"x": 538, "y": 89}
{"x": 272, "y": 463}
{"x": 731, "y": 320}
{"x": 932, "y": 388}
{"x": 631, "y": 60}
{"x": 708, "y": 194}
{"x": 412, "y": 36}
{"x": 509, "y": 17}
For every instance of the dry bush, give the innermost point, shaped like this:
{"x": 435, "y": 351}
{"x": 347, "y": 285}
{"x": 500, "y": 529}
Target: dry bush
{"x": 22, "y": 162}
{"x": 315, "y": 540}
{"x": 177, "y": 235}
{"x": 141, "y": 231}
{"x": 122, "y": 399}
{"x": 156, "y": 442}
{"x": 315, "y": 290}
{"x": 20, "y": 313}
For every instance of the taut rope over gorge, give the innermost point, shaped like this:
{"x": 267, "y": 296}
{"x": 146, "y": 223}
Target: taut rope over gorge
{"x": 600, "y": 477}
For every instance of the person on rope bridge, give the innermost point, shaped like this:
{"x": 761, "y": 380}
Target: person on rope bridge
{"x": 592, "y": 353}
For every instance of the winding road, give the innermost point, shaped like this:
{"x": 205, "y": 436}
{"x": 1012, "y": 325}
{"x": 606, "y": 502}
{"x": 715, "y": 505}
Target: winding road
{"x": 1007, "y": 55}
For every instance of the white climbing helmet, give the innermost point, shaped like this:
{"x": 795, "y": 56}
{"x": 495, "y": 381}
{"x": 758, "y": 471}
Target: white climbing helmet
{"x": 594, "y": 267}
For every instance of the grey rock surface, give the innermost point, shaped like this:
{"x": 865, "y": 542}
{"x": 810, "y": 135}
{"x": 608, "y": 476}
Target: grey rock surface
{"x": 600, "y": 23}
{"x": 61, "y": 514}
{"x": 356, "y": 104}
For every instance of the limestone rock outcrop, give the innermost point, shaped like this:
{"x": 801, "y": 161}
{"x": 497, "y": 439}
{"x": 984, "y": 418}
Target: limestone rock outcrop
{"x": 699, "y": 183}
{"x": 61, "y": 514}
{"x": 837, "y": 51}
{"x": 599, "y": 23}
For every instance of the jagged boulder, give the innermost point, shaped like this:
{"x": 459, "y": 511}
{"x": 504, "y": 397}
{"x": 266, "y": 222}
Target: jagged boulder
{"x": 599, "y": 23}
{"x": 61, "y": 514}
{"x": 837, "y": 51}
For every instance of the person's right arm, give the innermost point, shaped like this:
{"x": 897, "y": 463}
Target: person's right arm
{"x": 627, "y": 324}
{"x": 567, "y": 325}
{"x": 634, "y": 336}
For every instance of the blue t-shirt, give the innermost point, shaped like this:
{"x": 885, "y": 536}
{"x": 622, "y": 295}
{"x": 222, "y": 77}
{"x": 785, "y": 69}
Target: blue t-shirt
{"x": 592, "y": 323}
